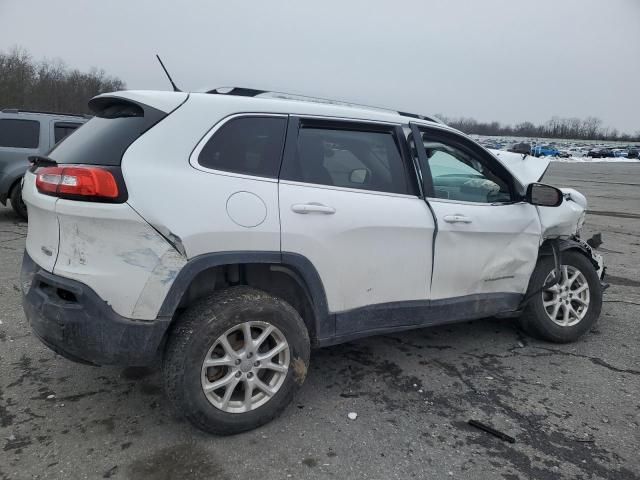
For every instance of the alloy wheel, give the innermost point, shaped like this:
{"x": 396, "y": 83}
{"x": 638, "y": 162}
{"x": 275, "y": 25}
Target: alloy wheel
{"x": 245, "y": 367}
{"x": 567, "y": 302}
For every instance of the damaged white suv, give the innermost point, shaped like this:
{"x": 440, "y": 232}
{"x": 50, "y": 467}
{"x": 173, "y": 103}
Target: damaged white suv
{"x": 224, "y": 234}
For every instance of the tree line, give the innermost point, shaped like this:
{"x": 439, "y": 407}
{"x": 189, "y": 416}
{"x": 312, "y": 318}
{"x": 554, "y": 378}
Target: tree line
{"x": 49, "y": 85}
{"x": 590, "y": 128}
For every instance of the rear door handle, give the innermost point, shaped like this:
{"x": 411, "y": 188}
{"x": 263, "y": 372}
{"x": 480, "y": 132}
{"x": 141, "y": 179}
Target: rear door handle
{"x": 457, "y": 218}
{"x": 313, "y": 207}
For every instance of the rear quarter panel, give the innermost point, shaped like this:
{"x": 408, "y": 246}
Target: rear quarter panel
{"x": 191, "y": 204}
{"x": 110, "y": 248}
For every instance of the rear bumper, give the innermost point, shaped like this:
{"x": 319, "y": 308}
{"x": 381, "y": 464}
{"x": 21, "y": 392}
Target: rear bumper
{"x": 72, "y": 320}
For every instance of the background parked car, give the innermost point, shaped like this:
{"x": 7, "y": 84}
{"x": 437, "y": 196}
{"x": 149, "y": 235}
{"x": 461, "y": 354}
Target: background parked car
{"x": 600, "y": 153}
{"x": 545, "y": 151}
{"x": 524, "y": 148}
{"x": 22, "y": 134}
{"x": 633, "y": 152}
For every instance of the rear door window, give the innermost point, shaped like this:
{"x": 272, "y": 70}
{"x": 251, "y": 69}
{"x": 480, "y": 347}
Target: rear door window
{"x": 349, "y": 158}
{"x": 15, "y": 133}
{"x": 247, "y": 145}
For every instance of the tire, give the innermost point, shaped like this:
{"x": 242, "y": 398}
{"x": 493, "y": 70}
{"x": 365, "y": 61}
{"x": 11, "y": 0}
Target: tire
{"x": 17, "y": 203}
{"x": 536, "y": 320}
{"x": 192, "y": 340}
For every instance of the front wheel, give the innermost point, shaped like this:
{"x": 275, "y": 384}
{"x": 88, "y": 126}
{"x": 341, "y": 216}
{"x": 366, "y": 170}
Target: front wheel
{"x": 234, "y": 361}
{"x": 567, "y": 310}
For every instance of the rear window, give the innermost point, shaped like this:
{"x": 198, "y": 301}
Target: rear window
{"x": 16, "y": 133}
{"x": 104, "y": 139}
{"x": 249, "y": 145}
{"x": 62, "y": 130}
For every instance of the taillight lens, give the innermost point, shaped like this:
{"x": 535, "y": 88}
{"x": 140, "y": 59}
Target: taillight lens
{"x": 82, "y": 183}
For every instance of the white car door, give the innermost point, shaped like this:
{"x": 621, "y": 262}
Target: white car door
{"x": 487, "y": 240}
{"x": 349, "y": 204}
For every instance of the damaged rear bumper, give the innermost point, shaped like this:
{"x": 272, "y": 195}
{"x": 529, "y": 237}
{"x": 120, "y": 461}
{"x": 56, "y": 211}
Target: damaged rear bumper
{"x": 72, "y": 320}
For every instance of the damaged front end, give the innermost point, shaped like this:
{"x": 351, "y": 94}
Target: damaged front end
{"x": 565, "y": 223}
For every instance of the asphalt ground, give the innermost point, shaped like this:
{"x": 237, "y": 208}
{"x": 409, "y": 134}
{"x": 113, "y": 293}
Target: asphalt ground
{"x": 574, "y": 410}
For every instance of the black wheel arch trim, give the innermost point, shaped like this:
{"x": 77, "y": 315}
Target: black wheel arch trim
{"x": 303, "y": 273}
{"x": 565, "y": 244}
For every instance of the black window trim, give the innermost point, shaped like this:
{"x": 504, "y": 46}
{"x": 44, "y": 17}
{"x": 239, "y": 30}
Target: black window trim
{"x": 339, "y": 123}
{"x": 195, "y": 153}
{"x": 468, "y": 145}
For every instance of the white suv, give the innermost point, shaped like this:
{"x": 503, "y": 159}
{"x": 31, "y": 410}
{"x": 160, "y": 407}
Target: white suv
{"x": 224, "y": 234}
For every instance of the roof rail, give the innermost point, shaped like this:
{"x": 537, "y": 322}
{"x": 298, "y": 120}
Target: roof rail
{"x": 20, "y": 110}
{"x": 252, "y": 92}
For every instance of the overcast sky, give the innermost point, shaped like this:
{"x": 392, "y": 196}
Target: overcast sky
{"x": 505, "y": 60}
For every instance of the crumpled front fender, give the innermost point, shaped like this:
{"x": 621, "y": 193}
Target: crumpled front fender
{"x": 565, "y": 220}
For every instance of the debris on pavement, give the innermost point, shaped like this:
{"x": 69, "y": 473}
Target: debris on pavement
{"x": 352, "y": 415}
{"x": 492, "y": 431}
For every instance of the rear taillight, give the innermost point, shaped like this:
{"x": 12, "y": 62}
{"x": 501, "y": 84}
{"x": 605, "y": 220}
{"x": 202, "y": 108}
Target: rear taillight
{"x": 78, "y": 182}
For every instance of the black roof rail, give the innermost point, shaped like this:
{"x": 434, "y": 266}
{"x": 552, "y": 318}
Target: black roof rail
{"x": 253, "y": 92}
{"x": 20, "y": 110}
{"x": 238, "y": 91}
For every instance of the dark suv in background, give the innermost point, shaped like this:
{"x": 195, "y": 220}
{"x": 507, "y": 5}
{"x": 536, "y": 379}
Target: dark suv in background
{"x": 22, "y": 134}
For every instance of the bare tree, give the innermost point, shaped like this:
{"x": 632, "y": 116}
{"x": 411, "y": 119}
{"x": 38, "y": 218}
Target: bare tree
{"x": 49, "y": 85}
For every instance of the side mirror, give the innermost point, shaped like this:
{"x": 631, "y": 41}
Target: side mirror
{"x": 543, "y": 195}
{"x": 359, "y": 176}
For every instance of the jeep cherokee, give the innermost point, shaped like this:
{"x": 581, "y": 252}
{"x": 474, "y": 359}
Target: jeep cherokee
{"x": 224, "y": 234}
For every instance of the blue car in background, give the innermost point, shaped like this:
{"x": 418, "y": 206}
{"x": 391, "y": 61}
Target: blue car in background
{"x": 544, "y": 151}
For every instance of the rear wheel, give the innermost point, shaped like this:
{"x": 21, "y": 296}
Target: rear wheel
{"x": 568, "y": 309}
{"x": 17, "y": 203}
{"x": 234, "y": 361}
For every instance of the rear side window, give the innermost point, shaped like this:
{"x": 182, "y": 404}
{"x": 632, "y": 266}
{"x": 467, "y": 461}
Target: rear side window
{"x": 16, "y": 133}
{"x": 61, "y": 130}
{"x": 248, "y": 145}
{"x": 104, "y": 139}
{"x": 367, "y": 160}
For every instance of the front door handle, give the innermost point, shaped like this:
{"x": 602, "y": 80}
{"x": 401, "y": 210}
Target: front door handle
{"x": 457, "y": 218}
{"x": 313, "y": 207}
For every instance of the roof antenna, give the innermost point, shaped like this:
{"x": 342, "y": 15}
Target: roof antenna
{"x": 175, "y": 88}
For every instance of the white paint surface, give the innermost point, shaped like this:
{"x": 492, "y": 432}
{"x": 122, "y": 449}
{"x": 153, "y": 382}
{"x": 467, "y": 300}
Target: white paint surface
{"x": 42, "y": 235}
{"x": 110, "y": 248}
{"x": 495, "y": 251}
{"x": 246, "y": 209}
{"x": 375, "y": 248}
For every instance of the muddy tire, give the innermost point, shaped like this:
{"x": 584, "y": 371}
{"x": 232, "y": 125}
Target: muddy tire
{"x": 568, "y": 310}
{"x": 17, "y": 203}
{"x": 234, "y": 361}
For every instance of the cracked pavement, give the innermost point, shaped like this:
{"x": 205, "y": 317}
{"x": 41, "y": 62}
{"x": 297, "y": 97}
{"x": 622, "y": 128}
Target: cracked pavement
{"x": 573, "y": 409}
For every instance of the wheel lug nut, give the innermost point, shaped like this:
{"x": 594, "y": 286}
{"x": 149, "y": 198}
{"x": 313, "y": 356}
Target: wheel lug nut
{"x": 238, "y": 374}
{"x": 238, "y": 361}
{"x": 249, "y": 375}
{"x": 249, "y": 355}
{"x": 256, "y": 364}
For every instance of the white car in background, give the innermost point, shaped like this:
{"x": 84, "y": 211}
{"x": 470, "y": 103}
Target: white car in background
{"x": 222, "y": 235}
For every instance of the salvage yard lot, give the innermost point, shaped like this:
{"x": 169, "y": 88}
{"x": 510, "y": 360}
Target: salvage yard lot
{"x": 573, "y": 409}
